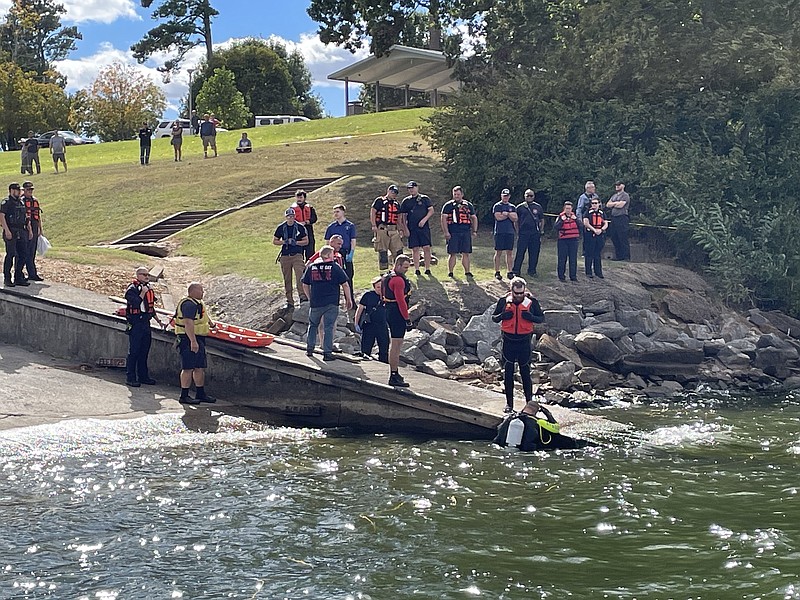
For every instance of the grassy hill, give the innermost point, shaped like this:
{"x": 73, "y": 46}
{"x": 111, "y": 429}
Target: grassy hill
{"x": 106, "y": 194}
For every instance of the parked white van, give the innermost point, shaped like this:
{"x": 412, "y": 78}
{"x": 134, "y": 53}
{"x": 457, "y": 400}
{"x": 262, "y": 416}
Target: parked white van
{"x": 262, "y": 121}
{"x": 164, "y": 128}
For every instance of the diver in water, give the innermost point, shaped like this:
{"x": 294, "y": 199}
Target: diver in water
{"x": 528, "y": 432}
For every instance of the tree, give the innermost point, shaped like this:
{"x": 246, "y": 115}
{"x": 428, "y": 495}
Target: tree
{"x": 26, "y": 103}
{"x": 271, "y": 80}
{"x": 187, "y": 24}
{"x": 32, "y": 36}
{"x": 220, "y": 97}
{"x": 120, "y": 100}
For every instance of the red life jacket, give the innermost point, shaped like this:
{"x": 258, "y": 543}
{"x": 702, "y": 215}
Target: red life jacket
{"x": 149, "y": 301}
{"x": 569, "y": 229}
{"x": 388, "y": 213}
{"x": 32, "y": 208}
{"x": 302, "y": 213}
{"x": 516, "y": 325}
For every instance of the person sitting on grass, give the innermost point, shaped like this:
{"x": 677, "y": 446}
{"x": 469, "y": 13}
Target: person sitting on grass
{"x": 245, "y": 145}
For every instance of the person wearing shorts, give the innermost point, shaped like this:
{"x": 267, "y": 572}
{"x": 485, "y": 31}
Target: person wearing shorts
{"x": 396, "y": 290}
{"x": 459, "y": 225}
{"x": 415, "y": 212}
{"x": 505, "y": 219}
{"x": 58, "y": 148}
{"x": 208, "y": 133}
{"x": 192, "y": 325}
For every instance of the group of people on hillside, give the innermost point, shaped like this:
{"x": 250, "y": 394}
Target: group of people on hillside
{"x": 21, "y": 221}
{"x": 29, "y": 153}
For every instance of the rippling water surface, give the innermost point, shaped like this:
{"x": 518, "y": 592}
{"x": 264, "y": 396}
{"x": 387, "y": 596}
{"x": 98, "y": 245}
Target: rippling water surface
{"x": 700, "y": 502}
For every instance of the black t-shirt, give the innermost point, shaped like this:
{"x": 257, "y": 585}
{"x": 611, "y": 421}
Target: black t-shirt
{"x": 374, "y": 307}
{"x": 459, "y": 214}
{"x": 415, "y": 208}
{"x": 285, "y": 233}
{"x": 325, "y": 279}
{"x": 145, "y": 133}
{"x": 32, "y": 145}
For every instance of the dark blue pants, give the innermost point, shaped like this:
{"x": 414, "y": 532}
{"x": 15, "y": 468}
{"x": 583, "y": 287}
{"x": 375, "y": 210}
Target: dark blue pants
{"x": 16, "y": 251}
{"x": 30, "y": 254}
{"x": 593, "y": 249}
{"x": 139, "y": 339}
{"x": 530, "y": 243}
{"x": 144, "y": 154}
{"x": 619, "y": 237}
{"x": 372, "y": 333}
{"x": 568, "y": 250}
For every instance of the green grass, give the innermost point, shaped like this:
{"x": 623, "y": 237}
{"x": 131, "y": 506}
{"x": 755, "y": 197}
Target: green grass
{"x": 106, "y": 194}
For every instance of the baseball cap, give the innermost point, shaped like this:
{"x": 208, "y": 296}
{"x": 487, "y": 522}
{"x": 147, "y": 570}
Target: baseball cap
{"x": 13, "y": 186}
{"x": 27, "y": 185}
{"x": 393, "y": 188}
{"x": 506, "y": 192}
{"x": 411, "y": 184}
{"x": 289, "y": 212}
{"x": 619, "y": 182}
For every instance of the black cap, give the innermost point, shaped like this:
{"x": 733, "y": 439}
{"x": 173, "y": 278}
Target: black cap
{"x": 393, "y": 188}
{"x": 411, "y": 184}
{"x": 27, "y": 185}
{"x": 13, "y": 186}
{"x": 618, "y": 182}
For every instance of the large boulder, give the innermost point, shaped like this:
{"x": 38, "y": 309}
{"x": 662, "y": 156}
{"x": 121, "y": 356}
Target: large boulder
{"x": 598, "y": 347}
{"x": 483, "y": 350}
{"x": 415, "y": 339}
{"x": 416, "y": 312}
{"x": 773, "y": 361}
{"x": 599, "y": 307}
{"x": 701, "y": 332}
{"x": 734, "y": 328}
{"x": 556, "y": 351}
{"x": 788, "y": 325}
{"x": 666, "y": 361}
{"x": 599, "y": 379}
{"x": 745, "y": 346}
{"x": 562, "y": 320}
{"x": 434, "y": 351}
{"x": 645, "y": 321}
{"x": 775, "y": 341}
{"x": 300, "y": 313}
{"x": 689, "y": 307}
{"x": 412, "y": 355}
{"x": 454, "y": 360}
{"x": 435, "y": 367}
{"x": 426, "y": 323}
{"x": 561, "y": 375}
{"x": 733, "y": 358}
{"x": 445, "y": 335}
{"x": 481, "y": 327}
{"x": 611, "y": 329}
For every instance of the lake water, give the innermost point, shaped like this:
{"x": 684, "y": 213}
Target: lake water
{"x": 701, "y": 501}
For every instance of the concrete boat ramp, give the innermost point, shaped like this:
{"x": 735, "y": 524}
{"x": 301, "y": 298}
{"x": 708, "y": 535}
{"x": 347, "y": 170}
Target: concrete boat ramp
{"x": 53, "y": 336}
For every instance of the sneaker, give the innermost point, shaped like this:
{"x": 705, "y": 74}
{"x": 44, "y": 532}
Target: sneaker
{"x": 8, "y": 283}
{"x": 22, "y": 282}
{"x": 35, "y": 278}
{"x": 468, "y": 274}
{"x": 147, "y": 381}
{"x": 188, "y": 400}
{"x": 508, "y": 409}
{"x": 562, "y": 278}
{"x": 510, "y": 275}
{"x": 450, "y": 275}
{"x": 573, "y": 279}
{"x": 417, "y": 272}
{"x": 498, "y": 276}
{"x": 396, "y": 380}
{"x": 205, "y": 398}
{"x": 600, "y": 276}
{"x": 428, "y": 272}
{"x": 328, "y": 357}
{"x": 309, "y": 353}
{"x": 132, "y": 383}
{"x": 590, "y": 276}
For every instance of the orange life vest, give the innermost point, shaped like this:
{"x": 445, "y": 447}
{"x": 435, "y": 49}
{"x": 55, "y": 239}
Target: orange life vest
{"x": 148, "y": 302}
{"x": 32, "y": 208}
{"x": 302, "y": 213}
{"x": 569, "y": 229}
{"x": 596, "y": 218}
{"x": 460, "y": 215}
{"x": 516, "y": 325}
{"x": 387, "y": 215}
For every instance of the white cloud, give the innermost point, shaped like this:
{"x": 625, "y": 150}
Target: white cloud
{"x": 100, "y": 11}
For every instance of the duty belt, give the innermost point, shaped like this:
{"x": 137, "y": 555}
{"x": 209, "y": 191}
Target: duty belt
{"x": 389, "y": 227}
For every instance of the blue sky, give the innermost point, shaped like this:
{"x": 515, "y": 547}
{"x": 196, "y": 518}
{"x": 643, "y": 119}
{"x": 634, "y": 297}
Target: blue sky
{"x": 110, "y": 27}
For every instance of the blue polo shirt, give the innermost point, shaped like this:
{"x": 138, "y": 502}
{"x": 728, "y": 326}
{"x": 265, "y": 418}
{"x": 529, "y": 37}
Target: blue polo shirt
{"x": 347, "y": 230}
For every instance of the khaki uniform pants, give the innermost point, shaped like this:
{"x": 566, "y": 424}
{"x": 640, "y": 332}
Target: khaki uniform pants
{"x": 388, "y": 239}
{"x": 293, "y": 266}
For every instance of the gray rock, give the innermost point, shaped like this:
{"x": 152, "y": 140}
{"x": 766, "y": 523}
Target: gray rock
{"x": 771, "y": 340}
{"x": 788, "y": 325}
{"x": 599, "y": 379}
{"x": 773, "y": 361}
{"x": 415, "y": 338}
{"x": 567, "y": 339}
{"x": 732, "y": 358}
{"x": 300, "y": 313}
{"x": 712, "y": 347}
{"x": 484, "y": 350}
{"x": 700, "y": 332}
{"x": 792, "y": 383}
{"x": 625, "y": 343}
{"x": 733, "y": 328}
{"x": 758, "y": 319}
{"x": 454, "y": 360}
{"x": 665, "y": 389}
{"x": 598, "y": 347}
{"x": 299, "y": 328}
{"x": 434, "y": 352}
{"x": 445, "y": 335}
{"x": 481, "y": 327}
{"x": 491, "y": 365}
{"x": 426, "y": 323}
{"x": 605, "y": 317}
{"x": 341, "y": 320}
{"x": 588, "y": 322}
{"x": 293, "y": 336}
{"x": 665, "y": 334}
{"x": 689, "y": 342}
{"x": 640, "y": 340}
{"x": 416, "y": 312}
{"x": 435, "y": 367}
{"x": 664, "y": 361}
{"x": 743, "y": 345}
{"x": 561, "y": 375}
{"x": 556, "y": 351}
{"x": 599, "y": 307}
{"x": 634, "y": 381}
{"x": 562, "y": 320}
{"x": 644, "y": 320}
{"x": 611, "y": 329}
{"x": 690, "y": 307}
{"x": 413, "y": 356}
{"x": 470, "y": 358}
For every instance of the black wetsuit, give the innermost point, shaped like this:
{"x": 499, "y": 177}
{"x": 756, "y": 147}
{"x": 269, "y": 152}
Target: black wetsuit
{"x": 536, "y": 437}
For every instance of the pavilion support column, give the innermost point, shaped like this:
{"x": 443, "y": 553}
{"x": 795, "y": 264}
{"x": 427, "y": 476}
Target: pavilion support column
{"x": 346, "y": 96}
{"x": 377, "y": 96}
{"x": 407, "y": 87}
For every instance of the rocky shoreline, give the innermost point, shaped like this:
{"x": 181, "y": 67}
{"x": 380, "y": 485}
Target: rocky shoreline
{"x": 651, "y": 330}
